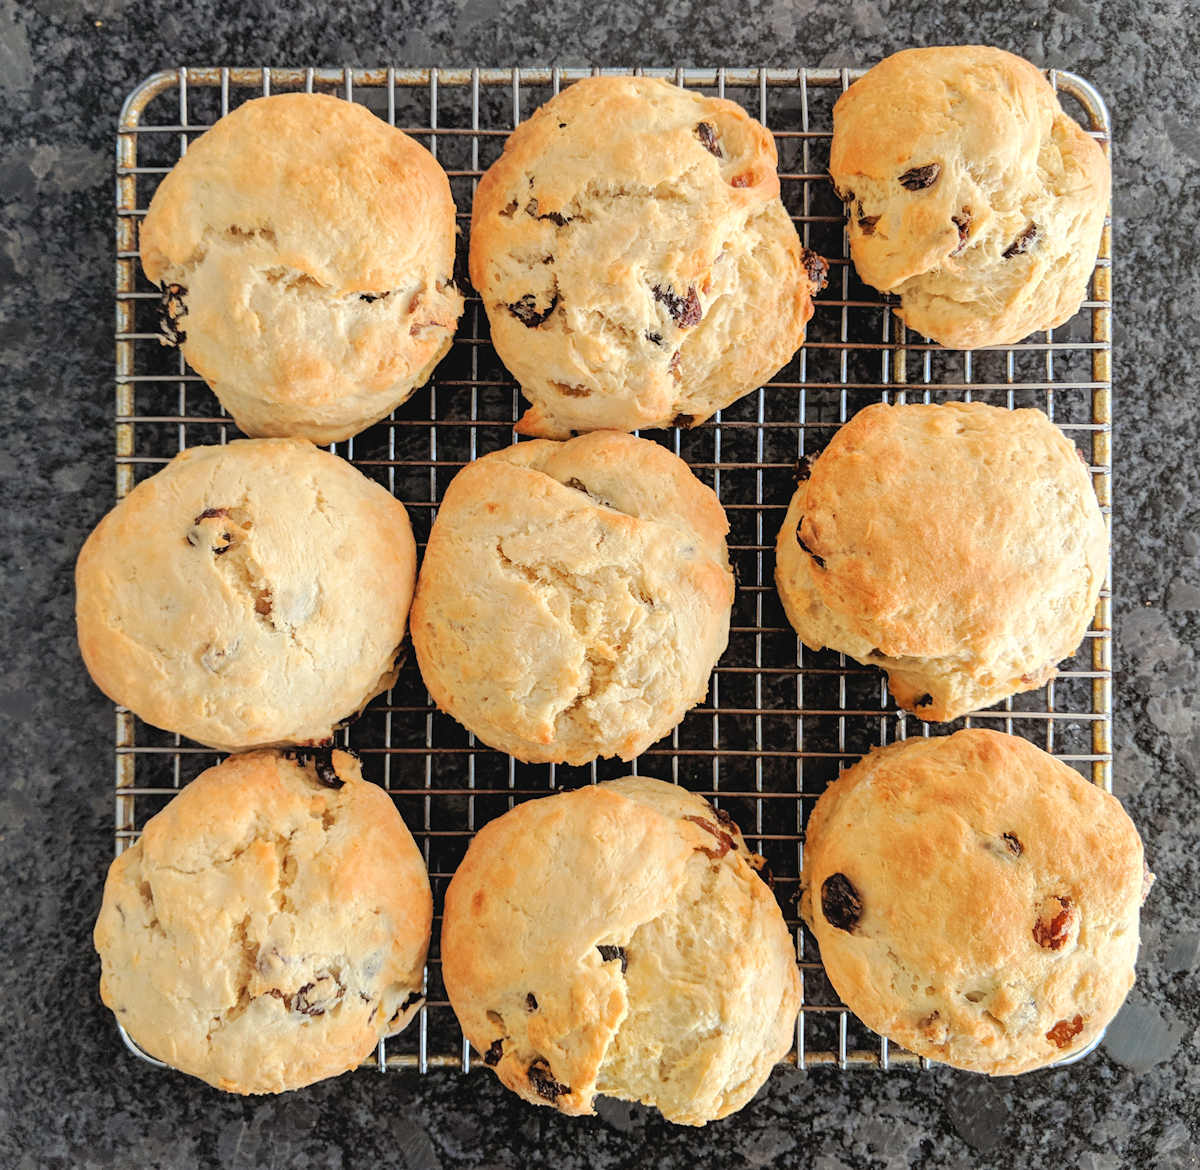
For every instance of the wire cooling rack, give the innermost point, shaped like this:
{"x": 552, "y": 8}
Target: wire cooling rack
{"x": 780, "y": 721}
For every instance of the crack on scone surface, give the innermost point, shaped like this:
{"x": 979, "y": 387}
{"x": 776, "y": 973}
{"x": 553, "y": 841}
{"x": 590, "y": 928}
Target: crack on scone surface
{"x": 270, "y": 272}
{"x": 603, "y": 643}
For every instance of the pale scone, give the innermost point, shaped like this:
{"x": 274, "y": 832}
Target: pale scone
{"x": 247, "y": 595}
{"x": 574, "y": 597}
{"x": 269, "y": 926}
{"x": 972, "y": 195}
{"x": 960, "y": 547}
{"x": 975, "y": 900}
{"x": 618, "y": 940}
{"x": 305, "y": 250}
{"x": 637, "y": 265}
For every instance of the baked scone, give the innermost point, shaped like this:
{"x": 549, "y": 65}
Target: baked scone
{"x": 960, "y": 547}
{"x": 574, "y": 597}
{"x": 972, "y": 195}
{"x": 636, "y": 262}
{"x": 247, "y": 595}
{"x": 305, "y": 250}
{"x": 617, "y": 940}
{"x": 269, "y": 926}
{"x": 975, "y": 900}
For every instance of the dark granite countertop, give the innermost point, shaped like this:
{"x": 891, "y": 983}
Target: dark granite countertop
{"x": 70, "y": 1096}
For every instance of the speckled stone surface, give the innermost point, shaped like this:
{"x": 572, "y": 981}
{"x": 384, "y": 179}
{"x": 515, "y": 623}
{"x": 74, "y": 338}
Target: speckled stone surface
{"x": 69, "y": 1094}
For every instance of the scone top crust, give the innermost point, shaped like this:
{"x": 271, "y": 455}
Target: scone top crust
{"x": 270, "y": 924}
{"x": 574, "y": 597}
{"x": 617, "y": 939}
{"x": 958, "y": 546}
{"x": 635, "y": 259}
{"x": 975, "y": 899}
{"x": 971, "y": 193}
{"x": 248, "y": 594}
{"x": 313, "y": 245}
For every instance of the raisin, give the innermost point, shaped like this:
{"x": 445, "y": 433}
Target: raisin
{"x": 685, "y": 311}
{"x": 800, "y": 541}
{"x": 1014, "y": 845}
{"x": 1065, "y": 1031}
{"x": 803, "y": 469}
{"x": 867, "y": 223}
{"x": 544, "y": 1083}
{"x": 1053, "y": 927}
{"x": 531, "y": 1004}
{"x": 303, "y": 1002}
{"x": 724, "y": 840}
{"x": 817, "y": 268}
{"x": 509, "y": 209}
{"x": 169, "y": 313}
{"x": 1022, "y": 243}
{"x": 673, "y": 364}
{"x": 962, "y": 221}
{"x": 725, "y": 819}
{"x": 224, "y": 548}
{"x": 918, "y": 178}
{"x": 608, "y": 953}
{"x": 531, "y": 208}
{"x": 371, "y": 298}
{"x": 326, "y": 772}
{"x": 840, "y": 902}
{"x": 209, "y": 513}
{"x": 322, "y": 759}
{"x": 707, "y": 134}
{"x": 654, "y": 338}
{"x": 527, "y": 312}
{"x": 572, "y": 391}
{"x": 492, "y": 1056}
{"x": 683, "y": 420}
{"x": 746, "y": 179}
{"x": 578, "y": 485}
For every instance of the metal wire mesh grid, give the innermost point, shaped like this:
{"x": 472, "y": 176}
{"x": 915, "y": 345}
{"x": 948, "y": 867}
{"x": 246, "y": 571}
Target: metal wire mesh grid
{"x": 780, "y": 721}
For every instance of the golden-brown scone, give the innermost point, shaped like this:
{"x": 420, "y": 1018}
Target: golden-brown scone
{"x": 269, "y": 926}
{"x": 975, "y": 900}
{"x": 574, "y": 597}
{"x": 637, "y": 265}
{"x": 960, "y": 547}
{"x": 617, "y": 940}
{"x": 305, "y": 250}
{"x": 972, "y": 195}
{"x": 247, "y": 595}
